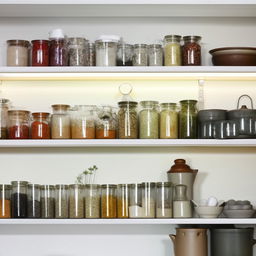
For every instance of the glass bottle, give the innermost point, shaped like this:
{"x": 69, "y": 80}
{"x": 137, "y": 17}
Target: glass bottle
{"x": 5, "y": 201}
{"x": 40, "y": 53}
{"x": 108, "y": 201}
{"x": 4, "y": 106}
{"x": 19, "y": 199}
{"x": 34, "y": 205}
{"x": 61, "y": 201}
{"x": 127, "y": 120}
{"x": 155, "y": 55}
{"x": 168, "y": 121}
{"x": 18, "y": 124}
{"x": 76, "y": 201}
{"x": 124, "y": 54}
{"x": 90, "y": 59}
{"x": 140, "y": 55}
{"x": 149, "y": 120}
{"x": 135, "y": 201}
{"x": 40, "y": 126}
{"x": 188, "y": 119}
{"x": 76, "y": 51}
{"x": 164, "y": 200}
{"x": 60, "y": 122}
{"x": 122, "y": 201}
{"x": 47, "y": 201}
{"x": 18, "y": 53}
{"x": 92, "y": 201}
{"x": 191, "y": 51}
{"x": 149, "y": 199}
{"x": 172, "y": 50}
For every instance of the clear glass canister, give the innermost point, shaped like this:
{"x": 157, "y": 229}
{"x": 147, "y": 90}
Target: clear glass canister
{"x": 164, "y": 200}
{"x": 5, "y": 201}
{"x": 92, "y": 201}
{"x": 4, "y": 106}
{"x": 90, "y": 59}
{"x": 76, "y": 51}
{"x": 83, "y": 122}
{"x": 149, "y": 199}
{"x": 61, "y": 201}
{"x": 18, "y": 53}
{"x": 122, "y": 201}
{"x": 40, "y": 53}
{"x": 76, "y": 201}
{"x": 34, "y": 205}
{"x": 19, "y": 199}
{"x": 124, "y": 54}
{"x": 18, "y": 124}
{"x": 149, "y": 120}
{"x": 135, "y": 201}
{"x": 188, "y": 119}
{"x": 191, "y": 51}
{"x": 47, "y": 201}
{"x": 60, "y": 122}
{"x": 40, "y": 126}
{"x": 108, "y": 201}
{"x": 168, "y": 121}
{"x": 172, "y": 50}
{"x": 155, "y": 55}
{"x": 127, "y": 120}
{"x": 140, "y": 55}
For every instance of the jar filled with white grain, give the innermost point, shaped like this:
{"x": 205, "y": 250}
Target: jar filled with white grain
{"x": 172, "y": 50}
{"x": 155, "y": 55}
{"x": 149, "y": 199}
{"x": 18, "y": 53}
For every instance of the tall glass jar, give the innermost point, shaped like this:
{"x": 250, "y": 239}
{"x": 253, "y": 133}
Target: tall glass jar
{"x": 168, "y": 121}
{"x": 188, "y": 119}
{"x": 140, "y": 55}
{"x": 76, "y": 201}
{"x": 83, "y": 122}
{"x": 4, "y": 106}
{"x": 149, "y": 120}
{"x": 108, "y": 201}
{"x": 155, "y": 55}
{"x": 124, "y": 54}
{"x": 47, "y": 201}
{"x": 19, "y": 199}
{"x": 5, "y": 201}
{"x": 40, "y": 53}
{"x": 60, "y": 122}
{"x": 122, "y": 201}
{"x": 92, "y": 201}
{"x": 76, "y": 51}
{"x": 90, "y": 59}
{"x": 164, "y": 200}
{"x": 149, "y": 199}
{"x": 34, "y": 205}
{"x": 135, "y": 201}
{"x": 61, "y": 201}
{"x": 18, "y": 124}
{"x": 40, "y": 126}
{"x": 191, "y": 51}
{"x": 172, "y": 50}
{"x": 127, "y": 120}
{"x": 18, "y": 53}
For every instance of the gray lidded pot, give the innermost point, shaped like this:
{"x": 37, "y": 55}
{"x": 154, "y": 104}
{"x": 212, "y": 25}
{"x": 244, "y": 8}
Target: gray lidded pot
{"x": 232, "y": 242}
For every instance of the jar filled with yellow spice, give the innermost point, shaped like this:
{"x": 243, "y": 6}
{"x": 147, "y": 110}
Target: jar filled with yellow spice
{"x": 122, "y": 201}
{"x": 108, "y": 201}
{"x": 172, "y": 50}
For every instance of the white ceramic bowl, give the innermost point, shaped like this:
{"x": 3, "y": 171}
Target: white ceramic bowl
{"x": 208, "y": 211}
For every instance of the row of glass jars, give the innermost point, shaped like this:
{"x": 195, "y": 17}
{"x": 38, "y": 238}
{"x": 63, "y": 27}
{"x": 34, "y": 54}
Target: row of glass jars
{"x": 147, "y": 200}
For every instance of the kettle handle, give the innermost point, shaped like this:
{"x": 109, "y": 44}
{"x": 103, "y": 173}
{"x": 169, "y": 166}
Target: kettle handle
{"x": 244, "y": 95}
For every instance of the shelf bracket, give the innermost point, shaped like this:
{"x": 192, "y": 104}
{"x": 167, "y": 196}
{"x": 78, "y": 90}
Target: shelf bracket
{"x": 201, "y": 83}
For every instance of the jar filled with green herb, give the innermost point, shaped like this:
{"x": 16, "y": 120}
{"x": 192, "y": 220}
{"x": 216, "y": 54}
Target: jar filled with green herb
{"x": 149, "y": 120}
{"x": 172, "y": 50}
{"x": 188, "y": 119}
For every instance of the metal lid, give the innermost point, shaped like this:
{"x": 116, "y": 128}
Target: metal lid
{"x": 18, "y": 42}
{"x": 134, "y": 185}
{"x": 212, "y": 114}
{"x": 128, "y": 103}
{"x": 61, "y": 186}
{"x": 93, "y": 186}
{"x": 108, "y": 186}
{"x": 148, "y": 103}
{"x": 5, "y": 186}
{"x": 22, "y": 183}
{"x": 31, "y": 185}
{"x": 41, "y": 114}
{"x": 47, "y": 187}
{"x": 192, "y": 38}
{"x": 148, "y": 184}
{"x": 188, "y": 101}
{"x": 163, "y": 184}
{"x": 175, "y": 37}
{"x": 140, "y": 45}
{"x": 80, "y": 186}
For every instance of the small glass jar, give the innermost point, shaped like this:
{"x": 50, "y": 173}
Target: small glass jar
{"x": 18, "y": 53}
{"x": 61, "y": 201}
{"x": 40, "y": 53}
{"x": 191, "y": 51}
{"x": 127, "y": 120}
{"x": 90, "y": 59}
{"x": 60, "y": 122}
{"x": 172, "y": 50}
{"x": 18, "y": 124}
{"x": 155, "y": 55}
{"x": 149, "y": 120}
{"x": 108, "y": 201}
{"x": 76, "y": 201}
{"x": 124, "y": 54}
{"x": 34, "y": 205}
{"x": 4, "y": 106}
{"x": 135, "y": 201}
{"x": 19, "y": 199}
{"x": 40, "y": 126}
{"x": 92, "y": 201}
{"x": 47, "y": 201}
{"x": 122, "y": 201}
{"x": 140, "y": 55}
{"x": 83, "y": 122}
{"x": 168, "y": 121}
{"x": 149, "y": 199}
{"x": 76, "y": 51}
{"x": 5, "y": 201}
{"x": 188, "y": 119}
{"x": 164, "y": 200}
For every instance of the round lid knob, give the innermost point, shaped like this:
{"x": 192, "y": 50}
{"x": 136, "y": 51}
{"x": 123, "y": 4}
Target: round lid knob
{"x": 180, "y": 166}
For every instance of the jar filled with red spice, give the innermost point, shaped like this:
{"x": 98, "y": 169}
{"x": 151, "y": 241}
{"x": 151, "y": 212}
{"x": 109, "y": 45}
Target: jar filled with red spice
{"x": 191, "y": 51}
{"x": 40, "y": 53}
{"x": 18, "y": 124}
{"x": 40, "y": 126}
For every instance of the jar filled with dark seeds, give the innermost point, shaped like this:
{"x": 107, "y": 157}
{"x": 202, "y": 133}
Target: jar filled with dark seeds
{"x": 34, "y": 206}
{"x": 191, "y": 51}
{"x": 124, "y": 55}
{"x": 76, "y": 51}
{"x": 90, "y": 54}
{"x": 61, "y": 201}
{"x": 155, "y": 55}
{"x": 47, "y": 201}
{"x": 76, "y": 201}
{"x": 140, "y": 55}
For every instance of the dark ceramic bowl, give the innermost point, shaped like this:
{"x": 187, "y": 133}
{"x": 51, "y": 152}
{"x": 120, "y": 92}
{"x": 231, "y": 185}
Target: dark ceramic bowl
{"x": 234, "y": 56}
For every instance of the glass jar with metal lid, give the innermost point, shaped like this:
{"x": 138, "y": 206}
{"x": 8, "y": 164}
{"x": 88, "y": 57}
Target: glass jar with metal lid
{"x": 61, "y": 201}
{"x": 90, "y": 54}
{"x": 18, "y": 53}
{"x": 122, "y": 201}
{"x": 124, "y": 54}
{"x": 149, "y": 199}
{"x": 34, "y": 205}
{"x": 4, "y": 106}
{"x": 76, "y": 51}
{"x": 40, "y": 125}
{"x": 47, "y": 201}
{"x": 191, "y": 51}
{"x": 108, "y": 201}
{"x": 40, "y": 53}
{"x": 5, "y": 201}
{"x": 140, "y": 55}
{"x": 76, "y": 201}
{"x": 172, "y": 50}
{"x": 155, "y": 55}
{"x": 92, "y": 201}
{"x": 135, "y": 201}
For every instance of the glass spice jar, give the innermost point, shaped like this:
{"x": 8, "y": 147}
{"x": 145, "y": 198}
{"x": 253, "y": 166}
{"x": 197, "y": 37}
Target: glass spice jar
{"x": 149, "y": 199}
{"x": 122, "y": 201}
{"x": 140, "y": 55}
{"x": 76, "y": 201}
{"x": 47, "y": 201}
{"x": 168, "y": 121}
{"x": 164, "y": 200}
{"x": 92, "y": 201}
{"x": 76, "y": 51}
{"x": 18, "y": 53}
{"x": 90, "y": 59}
{"x": 18, "y": 124}
{"x": 4, "y": 106}
{"x": 155, "y": 55}
{"x": 172, "y": 50}
{"x": 149, "y": 120}
{"x": 40, "y": 53}
{"x": 124, "y": 54}
{"x": 40, "y": 126}
{"x": 5, "y": 201}
{"x": 135, "y": 201}
{"x": 108, "y": 201}
{"x": 188, "y": 119}
{"x": 191, "y": 51}
{"x": 61, "y": 201}
{"x": 34, "y": 205}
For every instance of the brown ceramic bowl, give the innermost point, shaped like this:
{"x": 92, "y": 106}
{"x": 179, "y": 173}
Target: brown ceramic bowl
{"x": 234, "y": 56}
